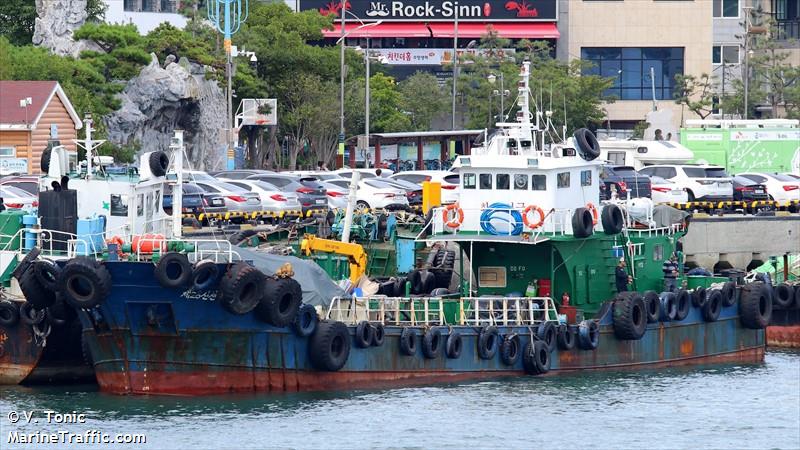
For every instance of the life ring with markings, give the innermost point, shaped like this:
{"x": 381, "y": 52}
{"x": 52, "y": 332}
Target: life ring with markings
{"x": 457, "y": 220}
{"x": 538, "y": 211}
{"x": 593, "y": 209}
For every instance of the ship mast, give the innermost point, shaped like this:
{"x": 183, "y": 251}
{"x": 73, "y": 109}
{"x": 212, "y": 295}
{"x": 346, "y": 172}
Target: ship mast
{"x": 176, "y": 145}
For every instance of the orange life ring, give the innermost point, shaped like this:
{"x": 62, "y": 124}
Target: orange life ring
{"x": 590, "y": 206}
{"x": 456, "y": 221}
{"x": 538, "y": 211}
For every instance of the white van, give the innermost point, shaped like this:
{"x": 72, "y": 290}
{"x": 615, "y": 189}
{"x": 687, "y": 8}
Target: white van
{"x": 640, "y": 154}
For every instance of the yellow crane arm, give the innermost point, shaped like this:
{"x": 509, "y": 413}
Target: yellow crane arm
{"x": 355, "y": 253}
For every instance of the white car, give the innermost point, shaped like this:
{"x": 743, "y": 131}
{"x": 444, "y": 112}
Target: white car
{"x": 701, "y": 182}
{"x": 365, "y": 173}
{"x": 337, "y": 195}
{"x": 374, "y": 193}
{"x": 449, "y": 181}
{"x": 16, "y": 198}
{"x": 781, "y": 188}
{"x": 665, "y": 191}
{"x": 322, "y": 176}
{"x": 236, "y": 198}
{"x": 272, "y": 197}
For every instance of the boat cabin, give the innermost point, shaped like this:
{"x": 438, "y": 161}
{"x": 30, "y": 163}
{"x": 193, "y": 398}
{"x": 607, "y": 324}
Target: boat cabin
{"x": 640, "y": 154}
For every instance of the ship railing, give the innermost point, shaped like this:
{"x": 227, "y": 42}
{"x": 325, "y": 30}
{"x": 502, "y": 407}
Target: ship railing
{"x": 656, "y": 231}
{"x": 499, "y": 222}
{"x": 217, "y": 250}
{"x": 428, "y": 311}
{"x": 51, "y": 243}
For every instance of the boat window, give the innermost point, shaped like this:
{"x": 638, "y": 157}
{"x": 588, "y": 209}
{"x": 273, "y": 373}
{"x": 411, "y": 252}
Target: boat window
{"x": 502, "y": 180}
{"x": 485, "y": 180}
{"x": 157, "y": 200}
{"x": 586, "y": 178}
{"x": 119, "y": 205}
{"x": 469, "y": 181}
{"x": 511, "y": 143}
{"x": 658, "y": 252}
{"x": 140, "y": 205}
{"x": 563, "y": 179}
{"x": 539, "y": 182}
{"x": 521, "y": 182}
{"x": 525, "y": 144}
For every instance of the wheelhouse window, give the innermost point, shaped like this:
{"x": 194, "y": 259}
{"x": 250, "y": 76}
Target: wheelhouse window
{"x": 539, "y": 182}
{"x": 586, "y": 178}
{"x": 502, "y": 181}
{"x": 469, "y": 181}
{"x": 485, "y": 180}
{"x": 563, "y": 179}
{"x": 521, "y": 182}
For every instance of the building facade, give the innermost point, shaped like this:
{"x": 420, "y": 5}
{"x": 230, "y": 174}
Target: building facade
{"x": 145, "y": 14}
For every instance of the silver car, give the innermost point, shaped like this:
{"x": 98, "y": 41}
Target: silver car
{"x": 272, "y": 197}
{"x": 237, "y": 199}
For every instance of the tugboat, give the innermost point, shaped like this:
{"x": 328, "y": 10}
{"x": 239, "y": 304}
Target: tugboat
{"x": 537, "y": 258}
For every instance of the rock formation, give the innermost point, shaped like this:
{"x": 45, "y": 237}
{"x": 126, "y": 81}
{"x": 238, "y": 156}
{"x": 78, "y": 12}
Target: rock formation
{"x": 178, "y": 96}
{"x": 56, "y": 22}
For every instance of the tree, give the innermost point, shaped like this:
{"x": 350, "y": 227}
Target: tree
{"x": 423, "y": 99}
{"x": 17, "y": 19}
{"x": 695, "y": 93}
{"x": 770, "y": 64}
{"x": 123, "y": 48}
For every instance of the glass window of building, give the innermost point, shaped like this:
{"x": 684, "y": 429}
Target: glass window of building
{"x": 502, "y": 180}
{"x": 636, "y": 69}
{"x": 786, "y": 9}
{"x": 485, "y": 180}
{"x": 539, "y": 182}
{"x": 727, "y": 53}
{"x": 469, "y": 181}
{"x": 726, "y": 8}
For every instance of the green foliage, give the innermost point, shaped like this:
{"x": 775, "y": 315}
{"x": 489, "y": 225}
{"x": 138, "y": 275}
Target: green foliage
{"x": 639, "y": 129}
{"x": 17, "y": 19}
{"x": 423, "y": 99}
{"x": 695, "y": 93}
{"x": 167, "y": 40}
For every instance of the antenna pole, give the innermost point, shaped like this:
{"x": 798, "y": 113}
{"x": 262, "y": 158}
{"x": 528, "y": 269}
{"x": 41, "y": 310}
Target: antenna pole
{"x": 177, "y": 192}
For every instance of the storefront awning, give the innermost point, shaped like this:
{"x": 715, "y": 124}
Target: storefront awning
{"x": 539, "y": 30}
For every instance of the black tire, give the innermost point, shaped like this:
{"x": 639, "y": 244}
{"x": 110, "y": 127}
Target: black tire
{"x": 432, "y": 343}
{"x": 9, "y": 313}
{"x": 699, "y": 297}
{"x": 588, "y": 335}
{"x": 242, "y": 289}
{"x": 548, "y": 333}
{"x": 59, "y": 313}
{"x": 204, "y": 275}
{"x": 510, "y": 350}
{"x": 652, "y": 305}
{"x": 400, "y": 287}
{"x": 386, "y": 288}
{"x": 488, "y": 341}
{"x": 783, "y": 296}
{"x": 280, "y": 301}
{"x": 306, "y": 321}
{"x": 174, "y": 271}
{"x": 439, "y": 292}
{"x": 44, "y": 162}
{"x": 755, "y": 306}
{"x": 453, "y": 346}
{"x": 586, "y": 144}
{"x": 329, "y": 346}
{"x": 542, "y": 357}
{"x": 159, "y": 163}
{"x": 529, "y": 359}
{"x": 34, "y": 292}
{"x": 797, "y": 296}
{"x": 26, "y": 262}
{"x": 612, "y": 219}
{"x": 669, "y": 306}
{"x": 415, "y": 278}
{"x": 567, "y": 337}
{"x": 408, "y": 341}
{"x": 443, "y": 278}
{"x": 630, "y": 317}
{"x": 728, "y": 292}
{"x": 363, "y": 335}
{"x": 712, "y": 306}
{"x": 46, "y": 273}
{"x": 84, "y": 283}
{"x": 582, "y": 226}
{"x": 31, "y": 315}
{"x": 428, "y": 282}
{"x": 683, "y": 303}
{"x": 378, "y": 334}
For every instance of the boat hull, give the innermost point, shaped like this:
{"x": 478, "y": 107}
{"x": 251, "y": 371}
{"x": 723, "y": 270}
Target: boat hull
{"x": 19, "y": 353}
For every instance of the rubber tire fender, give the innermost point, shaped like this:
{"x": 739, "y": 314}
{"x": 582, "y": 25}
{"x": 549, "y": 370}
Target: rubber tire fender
{"x": 713, "y": 306}
{"x": 529, "y": 359}
{"x": 306, "y": 321}
{"x": 408, "y": 341}
{"x": 378, "y": 334}
{"x": 46, "y": 273}
{"x": 158, "y": 163}
{"x": 630, "y": 317}
{"x": 329, "y": 346}
{"x": 432, "y": 343}
{"x": 582, "y": 226}
{"x": 548, "y": 333}
{"x": 453, "y": 345}
{"x": 488, "y": 341}
{"x": 26, "y": 262}
{"x": 204, "y": 275}
{"x": 612, "y": 219}
{"x": 669, "y": 306}
{"x": 400, "y": 287}
{"x": 652, "y": 306}
{"x": 567, "y": 337}
{"x": 280, "y": 301}
{"x": 9, "y": 313}
{"x": 242, "y": 289}
{"x": 586, "y": 144}
{"x": 510, "y": 350}
{"x": 174, "y": 271}
{"x": 783, "y": 296}
{"x": 94, "y": 275}
{"x": 44, "y": 161}
{"x": 797, "y": 296}
{"x": 728, "y": 291}
{"x": 30, "y": 315}
{"x": 34, "y": 292}
{"x": 683, "y": 303}
{"x": 755, "y": 306}
{"x": 363, "y": 334}
{"x": 588, "y": 335}
{"x": 428, "y": 282}
{"x": 699, "y": 295}
{"x": 59, "y": 313}
{"x": 536, "y": 358}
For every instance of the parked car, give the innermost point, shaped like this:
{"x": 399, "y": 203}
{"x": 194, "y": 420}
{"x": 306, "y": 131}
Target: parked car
{"x": 365, "y": 173}
{"x": 310, "y": 192}
{"x": 194, "y": 201}
{"x": 192, "y": 176}
{"x": 375, "y": 193}
{"x": 29, "y": 184}
{"x": 745, "y": 189}
{"x": 237, "y": 199}
{"x": 449, "y": 181}
{"x": 323, "y": 176}
{"x": 781, "y": 188}
{"x": 625, "y": 181}
{"x": 337, "y": 190}
{"x": 704, "y": 182}
{"x": 272, "y": 197}
{"x": 665, "y": 191}
{"x": 413, "y": 190}
{"x": 796, "y": 177}
{"x": 16, "y": 198}
{"x": 240, "y": 174}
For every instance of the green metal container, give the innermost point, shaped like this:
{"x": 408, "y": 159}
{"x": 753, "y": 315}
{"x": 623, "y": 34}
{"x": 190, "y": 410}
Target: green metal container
{"x": 10, "y": 224}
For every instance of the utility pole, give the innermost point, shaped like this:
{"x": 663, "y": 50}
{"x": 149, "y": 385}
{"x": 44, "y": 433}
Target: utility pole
{"x": 746, "y": 10}
{"x": 366, "y": 111}
{"x": 343, "y": 17}
{"x": 455, "y": 64}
